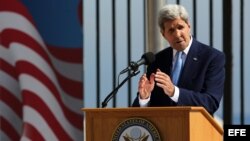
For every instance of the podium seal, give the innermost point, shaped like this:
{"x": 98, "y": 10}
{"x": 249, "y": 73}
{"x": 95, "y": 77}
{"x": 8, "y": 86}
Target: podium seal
{"x": 136, "y": 129}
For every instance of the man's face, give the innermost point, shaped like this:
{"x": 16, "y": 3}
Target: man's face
{"x": 177, "y": 33}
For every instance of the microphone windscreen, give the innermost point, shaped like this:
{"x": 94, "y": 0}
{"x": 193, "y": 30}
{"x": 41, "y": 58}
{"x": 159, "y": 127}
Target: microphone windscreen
{"x": 149, "y": 57}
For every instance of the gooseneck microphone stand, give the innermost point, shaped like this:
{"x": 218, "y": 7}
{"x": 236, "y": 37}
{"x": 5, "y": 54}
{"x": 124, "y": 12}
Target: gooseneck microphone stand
{"x": 114, "y": 92}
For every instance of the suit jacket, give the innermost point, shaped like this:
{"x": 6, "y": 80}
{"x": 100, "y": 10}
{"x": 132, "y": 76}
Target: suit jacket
{"x": 201, "y": 82}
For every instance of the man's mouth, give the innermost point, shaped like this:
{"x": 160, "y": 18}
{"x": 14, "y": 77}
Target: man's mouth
{"x": 178, "y": 42}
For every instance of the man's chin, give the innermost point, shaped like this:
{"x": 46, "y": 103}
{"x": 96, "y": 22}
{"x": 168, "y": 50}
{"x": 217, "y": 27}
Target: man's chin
{"x": 180, "y": 46}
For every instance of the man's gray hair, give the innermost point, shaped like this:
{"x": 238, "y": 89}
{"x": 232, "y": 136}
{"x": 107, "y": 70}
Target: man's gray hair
{"x": 171, "y": 12}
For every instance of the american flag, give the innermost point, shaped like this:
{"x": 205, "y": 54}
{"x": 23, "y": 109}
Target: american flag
{"x": 41, "y": 89}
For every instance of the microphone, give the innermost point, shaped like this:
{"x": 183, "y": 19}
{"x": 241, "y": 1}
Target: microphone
{"x": 146, "y": 58}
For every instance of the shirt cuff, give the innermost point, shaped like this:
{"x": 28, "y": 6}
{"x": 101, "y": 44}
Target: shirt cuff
{"x": 143, "y": 102}
{"x": 176, "y": 95}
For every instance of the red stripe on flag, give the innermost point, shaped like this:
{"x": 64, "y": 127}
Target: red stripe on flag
{"x": 32, "y": 133}
{"x": 8, "y": 68}
{"x": 32, "y": 100}
{"x": 12, "y": 35}
{"x": 67, "y": 54}
{"x": 11, "y": 101}
{"x": 9, "y": 130}
{"x": 17, "y": 7}
{"x": 72, "y": 87}
{"x": 30, "y": 69}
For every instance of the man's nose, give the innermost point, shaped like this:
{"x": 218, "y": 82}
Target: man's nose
{"x": 177, "y": 33}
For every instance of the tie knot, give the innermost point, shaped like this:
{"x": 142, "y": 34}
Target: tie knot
{"x": 178, "y": 54}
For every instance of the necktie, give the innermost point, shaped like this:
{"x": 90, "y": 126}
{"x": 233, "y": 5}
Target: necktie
{"x": 177, "y": 68}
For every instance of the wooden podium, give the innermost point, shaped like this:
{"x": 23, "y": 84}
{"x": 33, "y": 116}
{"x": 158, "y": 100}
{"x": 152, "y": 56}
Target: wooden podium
{"x": 172, "y": 123}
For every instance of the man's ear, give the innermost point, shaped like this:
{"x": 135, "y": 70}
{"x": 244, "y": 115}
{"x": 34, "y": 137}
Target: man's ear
{"x": 188, "y": 23}
{"x": 162, "y": 32}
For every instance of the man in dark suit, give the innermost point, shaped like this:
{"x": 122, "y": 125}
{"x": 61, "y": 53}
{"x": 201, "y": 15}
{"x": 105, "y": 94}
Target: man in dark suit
{"x": 201, "y": 80}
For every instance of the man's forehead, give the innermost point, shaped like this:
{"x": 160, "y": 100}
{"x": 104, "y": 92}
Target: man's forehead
{"x": 173, "y": 23}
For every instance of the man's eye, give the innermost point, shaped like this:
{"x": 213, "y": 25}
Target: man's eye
{"x": 171, "y": 30}
{"x": 180, "y": 27}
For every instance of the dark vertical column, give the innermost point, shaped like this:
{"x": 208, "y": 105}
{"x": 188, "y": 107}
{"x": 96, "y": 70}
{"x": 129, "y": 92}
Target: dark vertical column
{"x": 242, "y": 61}
{"x": 144, "y": 26}
{"x": 114, "y": 48}
{"x": 211, "y": 22}
{"x": 97, "y": 54}
{"x": 194, "y": 18}
{"x": 129, "y": 48}
{"x": 227, "y": 47}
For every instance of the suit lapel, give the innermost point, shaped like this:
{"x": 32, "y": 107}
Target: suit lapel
{"x": 190, "y": 65}
{"x": 166, "y": 60}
